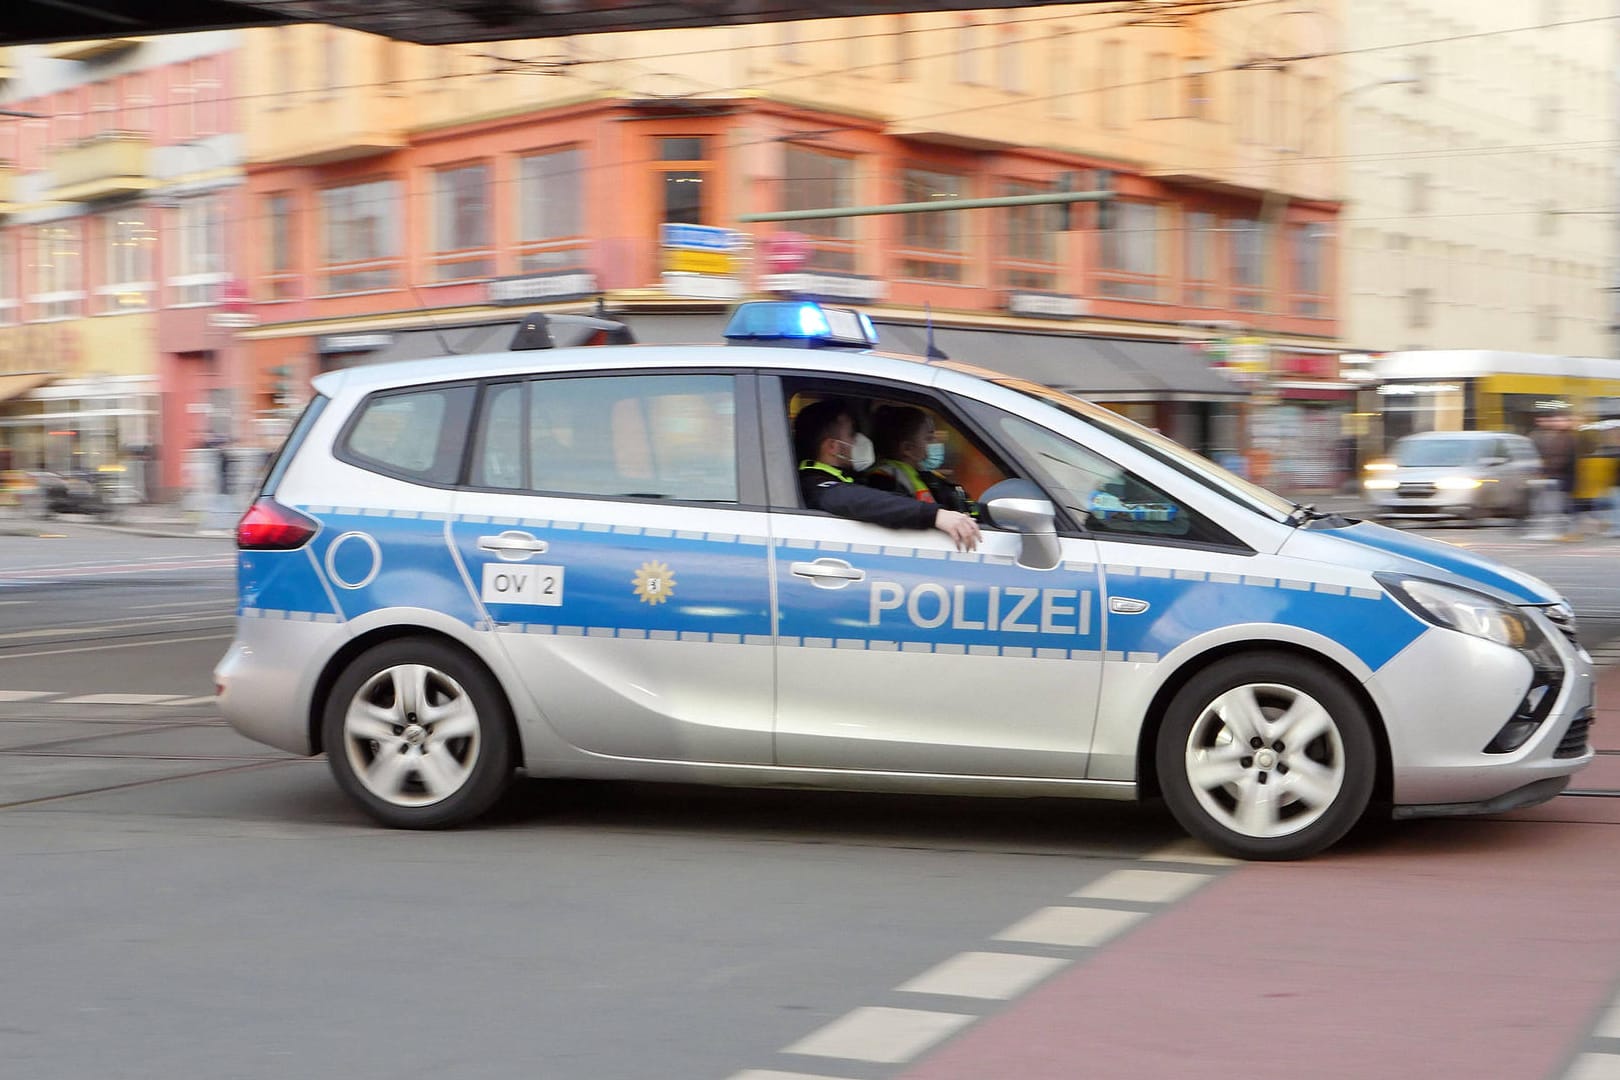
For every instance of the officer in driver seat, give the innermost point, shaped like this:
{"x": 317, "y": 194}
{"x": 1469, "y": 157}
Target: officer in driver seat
{"x": 823, "y": 438}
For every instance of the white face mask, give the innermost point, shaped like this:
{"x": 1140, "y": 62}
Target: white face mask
{"x": 861, "y": 454}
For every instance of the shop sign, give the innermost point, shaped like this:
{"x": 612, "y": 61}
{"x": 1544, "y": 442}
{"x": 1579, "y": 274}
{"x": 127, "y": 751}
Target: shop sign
{"x": 542, "y": 288}
{"x": 347, "y": 343}
{"x": 700, "y": 261}
{"x": 1037, "y": 305}
{"x": 847, "y": 287}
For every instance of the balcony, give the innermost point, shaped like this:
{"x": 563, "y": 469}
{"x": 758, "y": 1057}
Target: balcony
{"x": 103, "y": 166}
{"x": 343, "y": 126}
{"x": 90, "y": 48}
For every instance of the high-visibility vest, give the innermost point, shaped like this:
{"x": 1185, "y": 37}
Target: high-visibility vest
{"x": 905, "y": 474}
{"x": 830, "y": 470}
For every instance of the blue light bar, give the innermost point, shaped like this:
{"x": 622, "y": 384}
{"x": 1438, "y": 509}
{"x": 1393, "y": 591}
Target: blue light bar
{"x": 802, "y": 323}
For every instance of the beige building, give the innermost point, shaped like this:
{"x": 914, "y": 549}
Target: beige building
{"x": 1478, "y": 150}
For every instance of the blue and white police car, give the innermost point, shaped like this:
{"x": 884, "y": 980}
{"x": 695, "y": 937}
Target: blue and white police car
{"x": 595, "y": 562}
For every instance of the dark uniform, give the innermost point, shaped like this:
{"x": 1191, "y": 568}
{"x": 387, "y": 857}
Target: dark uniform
{"x": 920, "y": 484}
{"x": 825, "y": 487}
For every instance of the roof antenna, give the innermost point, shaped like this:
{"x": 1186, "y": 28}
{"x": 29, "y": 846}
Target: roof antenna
{"x": 934, "y": 352}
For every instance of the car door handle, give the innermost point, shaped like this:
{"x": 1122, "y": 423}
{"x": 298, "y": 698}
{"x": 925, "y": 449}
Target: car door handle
{"x": 828, "y": 573}
{"x": 1125, "y": 605}
{"x": 512, "y": 545}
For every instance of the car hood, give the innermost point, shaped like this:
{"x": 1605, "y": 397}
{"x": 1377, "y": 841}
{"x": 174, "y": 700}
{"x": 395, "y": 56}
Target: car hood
{"x": 1378, "y": 547}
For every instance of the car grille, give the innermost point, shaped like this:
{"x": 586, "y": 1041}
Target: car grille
{"x": 1414, "y": 490}
{"x": 1573, "y": 744}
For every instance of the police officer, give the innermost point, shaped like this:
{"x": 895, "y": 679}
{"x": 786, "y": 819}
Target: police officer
{"x": 908, "y": 454}
{"x": 823, "y": 437}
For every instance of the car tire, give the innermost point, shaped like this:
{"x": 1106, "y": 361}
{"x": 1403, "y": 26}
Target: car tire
{"x": 419, "y": 734}
{"x": 1274, "y": 799}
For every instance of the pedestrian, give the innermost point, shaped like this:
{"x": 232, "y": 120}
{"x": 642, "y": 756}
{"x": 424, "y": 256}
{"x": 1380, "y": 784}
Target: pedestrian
{"x": 1554, "y": 440}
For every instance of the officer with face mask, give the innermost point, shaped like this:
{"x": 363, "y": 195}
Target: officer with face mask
{"x": 908, "y": 456}
{"x": 824, "y": 439}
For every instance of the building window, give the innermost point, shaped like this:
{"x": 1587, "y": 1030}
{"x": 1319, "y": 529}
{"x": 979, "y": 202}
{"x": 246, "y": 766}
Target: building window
{"x": 1161, "y": 87}
{"x": 1195, "y": 82}
{"x": 8, "y": 277}
{"x": 551, "y": 211}
{"x": 103, "y": 108}
{"x": 58, "y": 277}
{"x": 967, "y": 53}
{"x": 208, "y": 102}
{"x": 934, "y": 245}
{"x": 360, "y": 230}
{"x": 1009, "y": 61}
{"x": 1200, "y": 273}
{"x": 332, "y": 61}
{"x": 461, "y": 230}
{"x": 1060, "y": 74}
{"x": 1419, "y": 68}
{"x": 138, "y": 102}
{"x": 814, "y": 179}
{"x": 1546, "y": 328}
{"x": 281, "y": 246}
{"x": 130, "y": 279}
{"x": 1417, "y": 193}
{"x": 902, "y": 48}
{"x": 1308, "y": 269}
{"x": 1417, "y": 308}
{"x": 1246, "y": 243}
{"x": 198, "y": 263}
{"x": 1109, "y": 70}
{"x": 1128, "y": 255}
{"x": 1030, "y": 261}
{"x": 683, "y": 169}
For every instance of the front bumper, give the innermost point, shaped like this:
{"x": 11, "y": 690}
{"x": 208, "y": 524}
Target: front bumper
{"x": 1438, "y": 728}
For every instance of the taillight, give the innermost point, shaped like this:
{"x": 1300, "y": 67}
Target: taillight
{"x": 269, "y": 526}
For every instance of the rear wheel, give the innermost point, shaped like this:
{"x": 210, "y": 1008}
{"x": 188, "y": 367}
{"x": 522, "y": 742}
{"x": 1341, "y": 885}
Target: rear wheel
{"x": 419, "y": 735}
{"x": 1266, "y": 756}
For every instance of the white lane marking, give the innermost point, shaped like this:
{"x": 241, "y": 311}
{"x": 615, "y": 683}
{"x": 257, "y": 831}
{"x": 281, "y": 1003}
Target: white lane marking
{"x": 201, "y": 604}
{"x": 120, "y": 645}
{"x": 877, "y": 1033}
{"x": 117, "y": 699}
{"x": 1070, "y": 926}
{"x": 1595, "y": 1067}
{"x": 206, "y": 699}
{"x": 995, "y": 976}
{"x": 8, "y": 603}
{"x": 121, "y": 624}
{"x": 1188, "y": 851}
{"x": 23, "y": 695}
{"x": 774, "y": 1074}
{"x": 1143, "y": 886}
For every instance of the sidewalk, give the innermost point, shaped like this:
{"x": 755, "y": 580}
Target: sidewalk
{"x": 145, "y": 519}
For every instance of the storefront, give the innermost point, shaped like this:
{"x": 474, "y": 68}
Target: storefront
{"x": 1484, "y": 390}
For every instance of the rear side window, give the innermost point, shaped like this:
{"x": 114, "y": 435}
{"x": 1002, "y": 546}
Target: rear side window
{"x": 668, "y": 437}
{"x": 413, "y": 434}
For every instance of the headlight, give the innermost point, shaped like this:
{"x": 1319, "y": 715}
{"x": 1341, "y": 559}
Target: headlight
{"x": 1379, "y": 483}
{"x": 1462, "y": 610}
{"x": 1456, "y": 483}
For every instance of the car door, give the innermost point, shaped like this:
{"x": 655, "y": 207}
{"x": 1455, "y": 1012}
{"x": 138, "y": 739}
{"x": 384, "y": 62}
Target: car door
{"x": 617, "y": 545}
{"x": 898, "y": 653}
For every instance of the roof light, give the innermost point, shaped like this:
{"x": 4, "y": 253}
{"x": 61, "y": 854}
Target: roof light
{"x": 803, "y": 323}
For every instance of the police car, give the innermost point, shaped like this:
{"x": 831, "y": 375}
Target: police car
{"x": 594, "y": 562}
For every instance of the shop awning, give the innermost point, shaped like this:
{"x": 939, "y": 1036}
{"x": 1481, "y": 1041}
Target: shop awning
{"x": 12, "y": 386}
{"x": 1110, "y": 369}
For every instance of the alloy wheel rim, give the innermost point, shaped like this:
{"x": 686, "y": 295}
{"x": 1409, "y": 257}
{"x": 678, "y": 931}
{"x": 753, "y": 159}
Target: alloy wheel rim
{"x": 411, "y": 735}
{"x": 1265, "y": 760}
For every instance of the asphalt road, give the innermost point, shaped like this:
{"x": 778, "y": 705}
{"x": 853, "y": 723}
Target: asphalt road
{"x": 179, "y": 902}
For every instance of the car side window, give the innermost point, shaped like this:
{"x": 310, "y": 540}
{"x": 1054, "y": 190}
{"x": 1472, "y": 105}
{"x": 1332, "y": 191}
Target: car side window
{"x": 498, "y": 458}
{"x": 415, "y": 434}
{"x": 635, "y": 436}
{"x": 1105, "y": 498}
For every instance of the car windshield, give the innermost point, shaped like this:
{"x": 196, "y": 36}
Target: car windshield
{"x": 1190, "y": 464}
{"x": 1436, "y": 453}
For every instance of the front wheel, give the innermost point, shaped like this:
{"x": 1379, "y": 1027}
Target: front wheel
{"x": 419, "y": 735}
{"x": 1266, "y": 756}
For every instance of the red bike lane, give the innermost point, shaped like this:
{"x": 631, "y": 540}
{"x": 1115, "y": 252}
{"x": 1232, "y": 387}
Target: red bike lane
{"x": 1465, "y": 948}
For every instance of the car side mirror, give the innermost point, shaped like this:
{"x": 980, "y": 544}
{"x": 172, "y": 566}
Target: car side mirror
{"x": 1023, "y": 507}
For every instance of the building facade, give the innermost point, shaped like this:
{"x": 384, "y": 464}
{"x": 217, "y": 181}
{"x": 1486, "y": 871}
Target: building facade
{"x": 426, "y": 190}
{"x": 1479, "y": 191}
{"x": 119, "y": 167}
